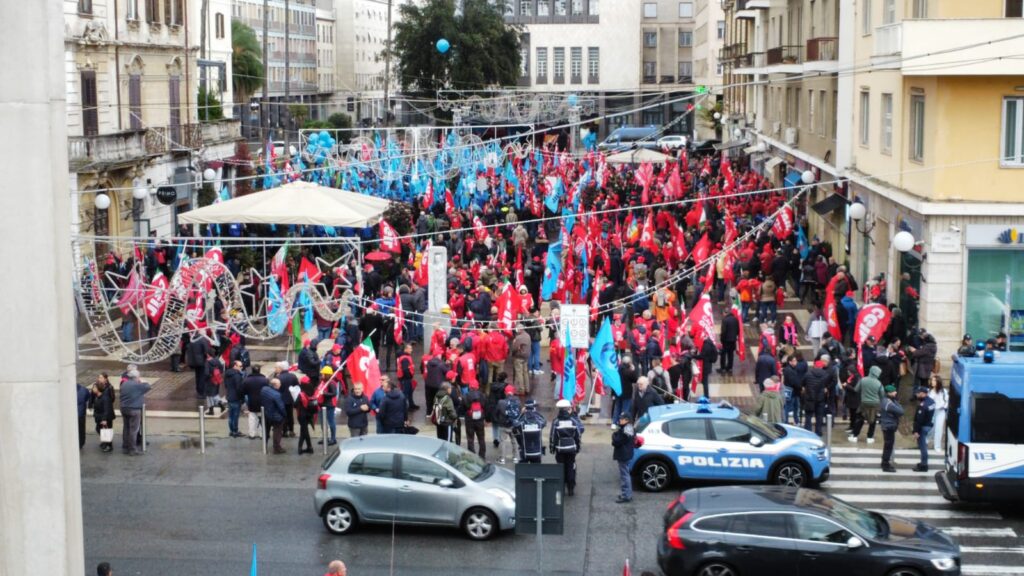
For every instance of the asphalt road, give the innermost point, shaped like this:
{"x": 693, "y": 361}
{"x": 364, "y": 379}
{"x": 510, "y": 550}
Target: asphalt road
{"x": 175, "y": 511}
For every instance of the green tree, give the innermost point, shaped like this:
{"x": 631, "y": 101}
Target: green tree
{"x": 246, "y": 62}
{"x": 210, "y": 108}
{"x": 299, "y": 113}
{"x": 316, "y": 125}
{"x": 341, "y": 121}
{"x": 484, "y": 49}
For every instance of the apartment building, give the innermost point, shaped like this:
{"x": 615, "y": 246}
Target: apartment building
{"x": 709, "y": 35}
{"x": 326, "y": 60}
{"x": 361, "y": 35}
{"x": 132, "y": 84}
{"x": 938, "y": 152}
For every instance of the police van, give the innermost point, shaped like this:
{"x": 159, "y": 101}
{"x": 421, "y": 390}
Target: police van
{"x": 985, "y": 431}
{"x": 719, "y": 443}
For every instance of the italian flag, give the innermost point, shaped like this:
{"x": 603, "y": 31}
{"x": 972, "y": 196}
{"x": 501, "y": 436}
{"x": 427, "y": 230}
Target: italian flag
{"x": 363, "y": 367}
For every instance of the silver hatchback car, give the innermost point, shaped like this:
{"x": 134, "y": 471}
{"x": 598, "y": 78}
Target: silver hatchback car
{"x": 414, "y": 480}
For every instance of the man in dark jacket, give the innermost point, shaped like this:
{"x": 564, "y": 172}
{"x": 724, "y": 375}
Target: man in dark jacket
{"x": 924, "y": 359}
{"x": 647, "y": 396}
{"x": 133, "y": 394}
{"x": 82, "y": 394}
{"x": 890, "y": 411}
{"x": 623, "y": 446}
{"x": 357, "y": 407}
{"x": 288, "y": 380}
{"x": 730, "y": 334}
{"x": 233, "y": 378}
{"x": 868, "y": 353}
{"x": 394, "y": 410}
{"x": 816, "y": 384}
{"x": 252, "y": 386}
{"x": 435, "y": 376}
{"x": 309, "y": 360}
{"x": 371, "y": 326}
{"x": 273, "y": 407}
{"x": 793, "y": 380}
{"x": 195, "y": 356}
{"x": 476, "y": 408}
{"x": 708, "y": 355}
{"x": 765, "y": 368}
{"x": 628, "y": 375}
{"x": 924, "y": 419}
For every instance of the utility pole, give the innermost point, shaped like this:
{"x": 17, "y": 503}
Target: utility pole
{"x": 287, "y": 69}
{"x": 264, "y": 112}
{"x": 387, "y": 72}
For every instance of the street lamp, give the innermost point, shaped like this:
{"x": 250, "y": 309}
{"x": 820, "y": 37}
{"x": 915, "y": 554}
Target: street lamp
{"x": 102, "y": 201}
{"x": 140, "y": 191}
{"x": 209, "y": 174}
{"x": 807, "y": 177}
{"x": 858, "y": 213}
{"x": 903, "y": 241}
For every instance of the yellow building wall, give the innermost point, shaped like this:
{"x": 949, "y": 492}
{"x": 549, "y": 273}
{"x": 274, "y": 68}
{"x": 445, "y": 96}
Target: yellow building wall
{"x": 956, "y": 9}
{"x": 919, "y": 176}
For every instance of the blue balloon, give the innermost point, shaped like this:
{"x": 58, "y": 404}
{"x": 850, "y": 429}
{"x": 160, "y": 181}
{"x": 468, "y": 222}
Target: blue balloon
{"x": 311, "y": 147}
{"x": 324, "y": 137}
{"x": 443, "y": 45}
{"x": 312, "y": 139}
{"x": 573, "y": 99}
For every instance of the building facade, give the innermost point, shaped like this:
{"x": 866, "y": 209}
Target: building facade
{"x": 937, "y": 152}
{"x": 709, "y": 36}
{"x": 361, "y": 34}
{"x": 325, "y": 50}
{"x": 132, "y": 83}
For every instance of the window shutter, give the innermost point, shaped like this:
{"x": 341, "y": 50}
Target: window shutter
{"x": 90, "y": 116}
{"x": 135, "y": 101}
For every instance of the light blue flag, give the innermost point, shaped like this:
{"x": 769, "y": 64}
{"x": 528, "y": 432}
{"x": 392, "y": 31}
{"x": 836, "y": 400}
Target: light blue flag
{"x": 605, "y": 359}
{"x": 552, "y": 271}
{"x": 569, "y": 370}
{"x": 306, "y": 303}
{"x": 277, "y": 318}
{"x": 554, "y": 197}
{"x": 252, "y": 571}
{"x": 801, "y": 242}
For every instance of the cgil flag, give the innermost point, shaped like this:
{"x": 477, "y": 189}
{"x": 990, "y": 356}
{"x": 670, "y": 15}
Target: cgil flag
{"x": 389, "y": 238}
{"x": 872, "y": 320}
{"x": 399, "y": 319}
{"x": 605, "y": 359}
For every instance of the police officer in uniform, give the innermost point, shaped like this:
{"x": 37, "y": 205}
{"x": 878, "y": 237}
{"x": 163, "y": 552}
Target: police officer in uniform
{"x": 531, "y": 433}
{"x": 565, "y": 442}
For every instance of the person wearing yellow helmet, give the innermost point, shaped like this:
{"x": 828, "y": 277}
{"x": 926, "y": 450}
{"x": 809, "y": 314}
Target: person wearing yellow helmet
{"x": 329, "y": 400}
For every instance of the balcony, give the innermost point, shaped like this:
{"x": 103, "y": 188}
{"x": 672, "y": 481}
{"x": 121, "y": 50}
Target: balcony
{"x": 106, "y": 151}
{"x": 174, "y": 138}
{"x": 888, "y": 40}
{"x": 822, "y": 55}
{"x": 924, "y": 47}
{"x": 784, "y": 55}
{"x": 727, "y": 53}
{"x": 685, "y": 80}
{"x": 221, "y": 131}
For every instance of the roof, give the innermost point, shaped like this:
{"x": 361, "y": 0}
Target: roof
{"x": 1002, "y": 375}
{"x": 638, "y": 156}
{"x": 691, "y": 410}
{"x": 392, "y": 443}
{"x": 300, "y": 203}
{"x": 751, "y": 498}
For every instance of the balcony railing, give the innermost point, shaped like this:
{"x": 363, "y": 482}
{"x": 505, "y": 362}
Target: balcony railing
{"x": 822, "y": 49}
{"x": 784, "y": 55}
{"x": 650, "y": 79}
{"x": 731, "y": 51}
{"x": 685, "y": 80}
{"x": 749, "y": 60}
{"x": 221, "y": 131}
{"x": 106, "y": 148}
{"x": 174, "y": 137}
{"x": 888, "y": 39}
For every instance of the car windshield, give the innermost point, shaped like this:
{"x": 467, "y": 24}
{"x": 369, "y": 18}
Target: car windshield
{"x": 642, "y": 423}
{"x": 760, "y": 427}
{"x": 466, "y": 462}
{"x": 867, "y": 523}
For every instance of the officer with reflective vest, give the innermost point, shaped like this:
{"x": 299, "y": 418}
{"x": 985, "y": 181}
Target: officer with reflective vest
{"x": 565, "y": 441}
{"x": 531, "y": 433}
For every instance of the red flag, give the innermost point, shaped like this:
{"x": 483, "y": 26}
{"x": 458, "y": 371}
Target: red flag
{"x": 519, "y": 275}
{"x": 701, "y": 250}
{"x": 872, "y": 320}
{"x": 428, "y": 196}
{"x": 421, "y": 275}
{"x": 647, "y": 235}
{"x": 478, "y": 229}
{"x": 508, "y": 304}
{"x": 363, "y": 367}
{"x": 132, "y": 294}
{"x": 783, "y": 225}
{"x": 730, "y": 230}
{"x": 831, "y": 316}
{"x": 696, "y": 215}
{"x": 581, "y": 377}
{"x": 399, "y": 319}
{"x": 309, "y": 270}
{"x": 702, "y": 321}
{"x": 674, "y": 185}
{"x": 156, "y": 298}
{"x": 279, "y": 267}
{"x": 449, "y": 202}
{"x": 709, "y": 277}
{"x": 389, "y": 238}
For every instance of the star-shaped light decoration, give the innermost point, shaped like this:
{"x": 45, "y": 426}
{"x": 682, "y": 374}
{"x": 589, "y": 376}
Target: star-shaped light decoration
{"x": 132, "y": 298}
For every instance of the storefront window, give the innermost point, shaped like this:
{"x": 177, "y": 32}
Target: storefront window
{"x": 985, "y": 303}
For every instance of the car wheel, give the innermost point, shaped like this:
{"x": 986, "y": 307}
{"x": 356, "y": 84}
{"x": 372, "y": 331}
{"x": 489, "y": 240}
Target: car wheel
{"x": 792, "y": 474}
{"x": 339, "y": 518}
{"x": 655, "y": 475}
{"x": 904, "y": 572}
{"x": 479, "y": 524}
{"x": 716, "y": 569}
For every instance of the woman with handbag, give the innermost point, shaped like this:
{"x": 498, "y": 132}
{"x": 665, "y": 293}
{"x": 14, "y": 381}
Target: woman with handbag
{"x": 103, "y": 411}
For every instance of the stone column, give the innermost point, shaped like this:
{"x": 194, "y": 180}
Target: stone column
{"x": 40, "y": 490}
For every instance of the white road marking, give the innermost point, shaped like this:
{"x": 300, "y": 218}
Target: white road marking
{"x": 878, "y": 450}
{"x": 878, "y": 472}
{"x": 990, "y": 550}
{"x": 942, "y": 514}
{"x": 894, "y": 484}
{"x": 979, "y": 532}
{"x": 977, "y": 570}
{"x": 895, "y": 498}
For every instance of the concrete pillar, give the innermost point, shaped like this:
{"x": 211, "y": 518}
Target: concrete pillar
{"x": 40, "y": 490}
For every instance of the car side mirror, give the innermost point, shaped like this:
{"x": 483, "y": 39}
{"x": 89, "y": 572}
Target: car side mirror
{"x": 446, "y": 483}
{"x": 756, "y": 442}
{"x": 853, "y": 543}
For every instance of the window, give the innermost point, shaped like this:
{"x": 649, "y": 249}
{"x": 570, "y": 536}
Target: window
{"x": 132, "y": 13}
{"x": 822, "y": 113}
{"x": 920, "y": 9}
{"x": 953, "y": 410}
{"x": 509, "y": 8}
{"x": 560, "y": 7}
{"x": 524, "y": 62}
{"x": 174, "y": 94}
{"x": 865, "y": 17}
{"x": 577, "y": 7}
{"x": 810, "y": 112}
{"x": 865, "y": 117}
{"x": 1012, "y": 153}
{"x": 917, "y": 126}
{"x": 650, "y": 10}
{"x": 135, "y": 101}
{"x": 1014, "y": 8}
{"x": 650, "y": 70}
{"x": 576, "y": 65}
{"x": 559, "y": 65}
{"x": 721, "y": 29}
{"x": 769, "y": 525}
{"x": 525, "y": 7}
{"x": 719, "y": 68}
{"x": 379, "y": 465}
{"x": 592, "y": 8}
{"x": 686, "y": 9}
{"x": 713, "y": 524}
{"x": 650, "y": 39}
{"x": 887, "y": 123}
{"x": 543, "y": 7}
{"x": 730, "y": 431}
{"x": 685, "y": 71}
{"x": 219, "y": 20}
{"x": 85, "y": 6}
{"x": 997, "y": 419}
{"x": 685, "y": 38}
{"x": 687, "y": 429}
{"x": 888, "y": 11}
{"x": 594, "y": 64}
{"x": 416, "y": 469}
{"x": 819, "y": 530}
{"x": 542, "y": 65}
{"x": 90, "y": 110}
{"x": 153, "y": 11}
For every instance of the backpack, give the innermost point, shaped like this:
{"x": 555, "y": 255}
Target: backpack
{"x": 714, "y": 354}
{"x": 475, "y": 411}
{"x": 565, "y": 437}
{"x": 511, "y": 415}
{"x": 217, "y": 378}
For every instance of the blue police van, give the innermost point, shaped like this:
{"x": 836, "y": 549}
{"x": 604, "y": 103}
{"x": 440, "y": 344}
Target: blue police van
{"x": 719, "y": 443}
{"x": 984, "y": 459}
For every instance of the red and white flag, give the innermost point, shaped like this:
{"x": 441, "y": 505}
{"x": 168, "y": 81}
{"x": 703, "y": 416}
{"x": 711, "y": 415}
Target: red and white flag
{"x": 508, "y": 305}
{"x": 363, "y": 367}
{"x": 783, "y": 225}
{"x": 831, "y": 314}
{"x": 133, "y": 294}
{"x": 647, "y": 234}
{"x": 156, "y": 298}
{"x": 478, "y": 229}
{"x": 399, "y": 319}
{"x": 872, "y": 320}
{"x": 389, "y": 238}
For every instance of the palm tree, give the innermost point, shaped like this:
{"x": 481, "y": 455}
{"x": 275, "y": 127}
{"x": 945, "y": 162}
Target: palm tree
{"x": 246, "y": 63}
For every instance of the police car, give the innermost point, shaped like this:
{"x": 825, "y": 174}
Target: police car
{"x": 707, "y": 442}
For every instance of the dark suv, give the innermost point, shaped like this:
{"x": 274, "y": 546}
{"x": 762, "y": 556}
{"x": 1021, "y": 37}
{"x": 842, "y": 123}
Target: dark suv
{"x": 739, "y": 530}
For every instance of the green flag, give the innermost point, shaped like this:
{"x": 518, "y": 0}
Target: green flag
{"x": 296, "y": 332}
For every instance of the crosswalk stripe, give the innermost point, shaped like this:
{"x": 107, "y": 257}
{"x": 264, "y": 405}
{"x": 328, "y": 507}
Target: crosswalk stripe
{"x": 990, "y": 550}
{"x": 888, "y": 498}
{"x": 894, "y": 484}
{"x": 878, "y": 472}
{"x": 878, "y": 451}
{"x": 979, "y": 532}
{"x": 942, "y": 514}
{"x": 976, "y": 570}
{"x": 876, "y": 460}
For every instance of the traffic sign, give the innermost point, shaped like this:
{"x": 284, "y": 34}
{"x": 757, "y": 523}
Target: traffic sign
{"x": 575, "y": 320}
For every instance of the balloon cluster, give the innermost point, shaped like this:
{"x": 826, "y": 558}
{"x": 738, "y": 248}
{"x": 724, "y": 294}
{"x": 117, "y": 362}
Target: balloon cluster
{"x": 319, "y": 146}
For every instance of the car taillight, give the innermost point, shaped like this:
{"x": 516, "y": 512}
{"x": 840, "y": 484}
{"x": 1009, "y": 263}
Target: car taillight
{"x": 680, "y": 501}
{"x": 674, "y": 539}
{"x": 962, "y": 453}
{"x": 321, "y": 482}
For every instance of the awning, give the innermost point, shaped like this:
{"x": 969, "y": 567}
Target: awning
{"x": 731, "y": 144}
{"x": 750, "y": 149}
{"x": 792, "y": 179}
{"x": 772, "y": 163}
{"x": 830, "y": 204}
{"x": 638, "y": 156}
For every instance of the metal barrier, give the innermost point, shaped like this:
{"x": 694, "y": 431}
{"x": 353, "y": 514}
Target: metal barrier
{"x": 323, "y": 428}
{"x": 828, "y": 431}
{"x": 202, "y": 429}
{"x": 142, "y": 428}
{"x": 263, "y": 428}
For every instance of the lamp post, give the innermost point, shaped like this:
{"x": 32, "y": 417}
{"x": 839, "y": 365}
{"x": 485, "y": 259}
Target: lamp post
{"x": 861, "y": 222}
